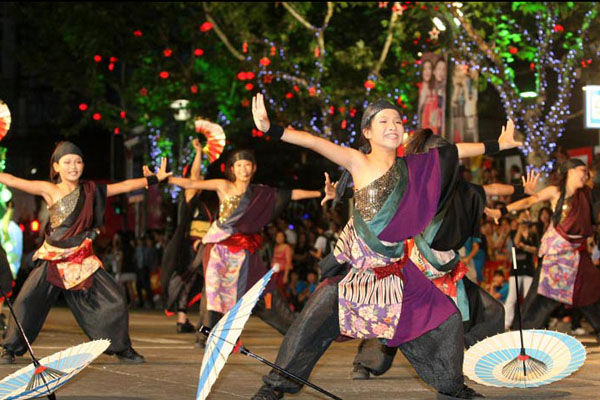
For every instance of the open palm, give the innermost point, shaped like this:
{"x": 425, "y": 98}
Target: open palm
{"x": 507, "y": 137}
{"x": 259, "y": 113}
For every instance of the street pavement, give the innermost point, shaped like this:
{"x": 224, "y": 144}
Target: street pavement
{"x": 173, "y": 365}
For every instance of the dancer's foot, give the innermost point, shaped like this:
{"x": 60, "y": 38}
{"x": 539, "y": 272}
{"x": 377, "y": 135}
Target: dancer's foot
{"x": 185, "y": 327}
{"x": 359, "y": 373}
{"x": 464, "y": 393}
{"x": 267, "y": 392}
{"x": 130, "y": 356}
{"x": 7, "y": 356}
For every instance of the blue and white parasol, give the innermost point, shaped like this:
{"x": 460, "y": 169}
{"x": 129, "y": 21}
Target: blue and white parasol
{"x": 223, "y": 337}
{"x": 561, "y": 353}
{"x": 51, "y": 373}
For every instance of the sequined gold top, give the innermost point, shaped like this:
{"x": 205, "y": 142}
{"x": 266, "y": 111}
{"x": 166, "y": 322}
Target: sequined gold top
{"x": 228, "y": 205}
{"x": 60, "y": 210}
{"x": 369, "y": 200}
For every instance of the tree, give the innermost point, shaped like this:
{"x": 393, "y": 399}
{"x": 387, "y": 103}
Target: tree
{"x": 547, "y": 44}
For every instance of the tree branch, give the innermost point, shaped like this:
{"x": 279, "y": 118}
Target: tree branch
{"x": 299, "y": 17}
{"x": 387, "y": 45}
{"x": 222, "y": 35}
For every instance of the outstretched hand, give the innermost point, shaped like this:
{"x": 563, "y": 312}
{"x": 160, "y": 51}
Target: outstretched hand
{"x": 161, "y": 174}
{"x": 507, "y": 136}
{"x": 530, "y": 182}
{"x": 493, "y": 213}
{"x": 259, "y": 113}
{"x": 329, "y": 190}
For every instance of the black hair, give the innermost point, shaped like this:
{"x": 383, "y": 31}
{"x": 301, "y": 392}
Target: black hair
{"x": 237, "y": 155}
{"x": 562, "y": 185}
{"x": 423, "y": 140}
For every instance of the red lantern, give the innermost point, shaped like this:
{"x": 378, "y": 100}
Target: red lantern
{"x": 205, "y": 27}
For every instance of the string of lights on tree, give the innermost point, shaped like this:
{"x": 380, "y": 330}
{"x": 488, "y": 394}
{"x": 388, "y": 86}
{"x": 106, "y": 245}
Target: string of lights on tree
{"x": 549, "y": 48}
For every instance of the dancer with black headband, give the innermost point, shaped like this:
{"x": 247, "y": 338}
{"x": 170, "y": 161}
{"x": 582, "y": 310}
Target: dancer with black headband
{"x": 65, "y": 263}
{"x": 384, "y": 295}
{"x": 231, "y": 261}
{"x": 435, "y": 253}
{"x": 567, "y": 274}
{"x": 182, "y": 259}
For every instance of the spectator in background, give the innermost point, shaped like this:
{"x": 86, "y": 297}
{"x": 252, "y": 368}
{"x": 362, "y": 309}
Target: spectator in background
{"x": 322, "y": 245}
{"x": 124, "y": 265}
{"x": 499, "y": 287}
{"x": 142, "y": 275}
{"x": 306, "y": 289}
{"x": 543, "y": 221}
{"x": 302, "y": 257}
{"x": 475, "y": 256}
{"x": 282, "y": 256}
{"x": 291, "y": 236}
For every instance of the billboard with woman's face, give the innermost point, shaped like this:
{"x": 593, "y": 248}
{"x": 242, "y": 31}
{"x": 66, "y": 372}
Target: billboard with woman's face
{"x": 432, "y": 93}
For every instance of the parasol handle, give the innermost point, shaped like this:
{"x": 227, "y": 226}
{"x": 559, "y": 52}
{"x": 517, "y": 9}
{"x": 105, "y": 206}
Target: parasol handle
{"x": 247, "y": 352}
{"x": 518, "y": 306}
{"x": 20, "y": 328}
{"x": 206, "y": 331}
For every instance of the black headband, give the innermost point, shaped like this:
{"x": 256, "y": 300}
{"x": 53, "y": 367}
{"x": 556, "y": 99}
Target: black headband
{"x": 375, "y": 108}
{"x": 241, "y": 155}
{"x": 571, "y": 163}
{"x": 64, "y": 149}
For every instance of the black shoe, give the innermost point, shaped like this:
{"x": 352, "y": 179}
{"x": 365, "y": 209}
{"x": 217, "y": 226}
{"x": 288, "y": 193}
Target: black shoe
{"x": 185, "y": 327}
{"x": 359, "y": 373}
{"x": 464, "y": 393}
{"x": 130, "y": 356}
{"x": 7, "y": 356}
{"x": 267, "y": 392}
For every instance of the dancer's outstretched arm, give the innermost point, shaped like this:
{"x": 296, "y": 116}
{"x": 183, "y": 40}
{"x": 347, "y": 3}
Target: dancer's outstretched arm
{"x": 499, "y": 189}
{"x": 195, "y": 172}
{"x": 548, "y": 193}
{"x": 300, "y": 194}
{"x": 505, "y": 141}
{"x": 38, "y": 188}
{"x": 343, "y": 156}
{"x": 217, "y": 185}
{"x": 129, "y": 185}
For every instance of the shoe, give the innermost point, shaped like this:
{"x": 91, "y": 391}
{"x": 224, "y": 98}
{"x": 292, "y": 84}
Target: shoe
{"x": 7, "y": 356}
{"x": 267, "y": 392}
{"x": 185, "y": 327}
{"x": 130, "y": 356}
{"x": 464, "y": 393}
{"x": 359, "y": 373}
{"x": 579, "y": 332}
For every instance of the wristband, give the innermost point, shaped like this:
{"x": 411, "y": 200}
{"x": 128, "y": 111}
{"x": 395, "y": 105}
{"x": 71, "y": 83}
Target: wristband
{"x": 491, "y": 147}
{"x": 503, "y": 211}
{"x": 519, "y": 189}
{"x": 151, "y": 180}
{"x": 275, "y": 131}
{"x": 322, "y": 191}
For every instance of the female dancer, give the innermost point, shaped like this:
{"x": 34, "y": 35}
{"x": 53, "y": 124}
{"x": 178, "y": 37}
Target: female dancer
{"x": 231, "y": 261}
{"x": 567, "y": 275}
{"x": 435, "y": 253}
{"x": 182, "y": 258}
{"x": 66, "y": 263}
{"x": 384, "y": 295}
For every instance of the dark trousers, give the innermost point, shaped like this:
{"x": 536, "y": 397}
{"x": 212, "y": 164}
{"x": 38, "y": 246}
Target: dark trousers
{"x": 142, "y": 283}
{"x": 100, "y": 311}
{"x": 437, "y": 356}
{"x": 486, "y": 318}
{"x": 537, "y": 309}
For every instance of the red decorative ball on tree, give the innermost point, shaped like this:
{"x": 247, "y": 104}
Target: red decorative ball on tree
{"x": 97, "y": 116}
{"x": 513, "y": 50}
{"x": 117, "y": 131}
{"x": 249, "y": 86}
{"x": 205, "y": 27}
{"x": 250, "y": 75}
{"x": 559, "y": 28}
{"x": 144, "y": 91}
{"x": 167, "y": 52}
{"x": 198, "y": 52}
{"x": 83, "y": 106}
{"x": 164, "y": 74}
{"x": 123, "y": 114}
{"x": 265, "y": 62}
{"x": 289, "y": 95}
{"x": 369, "y": 84}
{"x": 137, "y": 33}
{"x": 97, "y": 58}
{"x": 194, "y": 89}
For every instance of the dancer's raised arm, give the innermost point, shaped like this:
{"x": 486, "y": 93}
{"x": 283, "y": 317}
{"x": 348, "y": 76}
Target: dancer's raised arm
{"x": 343, "y": 156}
{"x": 505, "y": 141}
{"x": 129, "y": 185}
{"x": 38, "y": 188}
{"x": 500, "y": 189}
{"x": 549, "y": 193}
